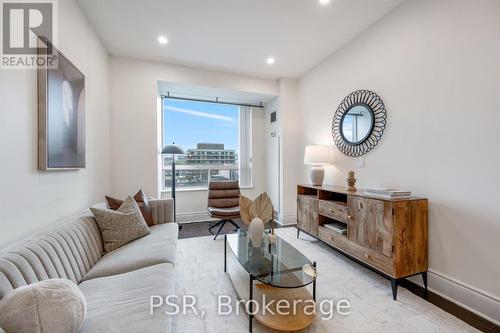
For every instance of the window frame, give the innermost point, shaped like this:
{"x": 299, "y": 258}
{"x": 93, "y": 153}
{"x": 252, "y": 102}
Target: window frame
{"x": 249, "y": 148}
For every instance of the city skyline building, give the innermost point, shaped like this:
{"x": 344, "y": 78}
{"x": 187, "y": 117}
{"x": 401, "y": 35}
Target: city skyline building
{"x": 208, "y": 161}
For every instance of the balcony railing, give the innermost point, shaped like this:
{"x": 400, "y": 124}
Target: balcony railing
{"x": 198, "y": 176}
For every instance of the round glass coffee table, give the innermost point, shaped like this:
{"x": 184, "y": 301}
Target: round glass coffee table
{"x": 274, "y": 273}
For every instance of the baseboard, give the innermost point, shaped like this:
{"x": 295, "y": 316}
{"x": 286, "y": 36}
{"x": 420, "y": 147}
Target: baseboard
{"x": 470, "y": 298}
{"x": 287, "y": 219}
{"x": 193, "y": 217}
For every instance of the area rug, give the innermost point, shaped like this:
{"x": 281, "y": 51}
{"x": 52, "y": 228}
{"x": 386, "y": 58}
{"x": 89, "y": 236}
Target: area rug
{"x": 200, "y": 273}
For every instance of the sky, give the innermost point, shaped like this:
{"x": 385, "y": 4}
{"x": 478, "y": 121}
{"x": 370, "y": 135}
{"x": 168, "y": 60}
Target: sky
{"x": 187, "y": 123}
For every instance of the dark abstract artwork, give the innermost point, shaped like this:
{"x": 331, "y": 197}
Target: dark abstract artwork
{"x": 61, "y": 116}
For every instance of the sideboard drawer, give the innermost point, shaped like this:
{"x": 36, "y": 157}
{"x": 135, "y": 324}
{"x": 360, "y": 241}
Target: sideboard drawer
{"x": 333, "y": 238}
{"x": 373, "y": 258}
{"x": 333, "y": 210}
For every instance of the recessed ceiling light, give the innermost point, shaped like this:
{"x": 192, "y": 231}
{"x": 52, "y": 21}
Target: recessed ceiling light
{"x": 324, "y": 2}
{"x": 270, "y": 61}
{"x": 163, "y": 40}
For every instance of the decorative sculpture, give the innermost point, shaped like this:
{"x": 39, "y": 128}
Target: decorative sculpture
{"x": 256, "y": 214}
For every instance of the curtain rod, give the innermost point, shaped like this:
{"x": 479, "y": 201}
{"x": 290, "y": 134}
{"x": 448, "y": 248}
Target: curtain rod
{"x": 216, "y": 101}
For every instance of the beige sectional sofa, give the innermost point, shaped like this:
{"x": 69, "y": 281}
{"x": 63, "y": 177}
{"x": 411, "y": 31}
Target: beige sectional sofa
{"x": 117, "y": 286}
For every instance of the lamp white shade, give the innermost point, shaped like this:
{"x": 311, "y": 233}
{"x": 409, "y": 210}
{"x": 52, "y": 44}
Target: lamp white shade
{"x": 318, "y": 154}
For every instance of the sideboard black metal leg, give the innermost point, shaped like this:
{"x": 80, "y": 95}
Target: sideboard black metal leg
{"x": 250, "y": 298}
{"x": 424, "y": 277}
{"x": 394, "y": 286}
{"x": 298, "y": 232}
{"x": 225, "y": 253}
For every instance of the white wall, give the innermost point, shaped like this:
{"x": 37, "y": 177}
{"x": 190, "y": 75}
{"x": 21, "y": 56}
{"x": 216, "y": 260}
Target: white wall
{"x": 282, "y": 150}
{"x": 272, "y": 151}
{"x": 30, "y": 199}
{"x": 135, "y": 131}
{"x": 436, "y": 65}
{"x": 290, "y": 167}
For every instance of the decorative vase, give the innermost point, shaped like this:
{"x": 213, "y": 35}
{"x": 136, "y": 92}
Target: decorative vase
{"x": 256, "y": 232}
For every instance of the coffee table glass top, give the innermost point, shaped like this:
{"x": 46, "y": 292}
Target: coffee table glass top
{"x": 278, "y": 264}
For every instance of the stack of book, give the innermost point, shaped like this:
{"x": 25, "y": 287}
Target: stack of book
{"x": 338, "y": 227}
{"x": 388, "y": 193}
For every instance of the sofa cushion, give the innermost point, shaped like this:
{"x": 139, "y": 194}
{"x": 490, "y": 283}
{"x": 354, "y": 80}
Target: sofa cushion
{"x": 121, "y": 303}
{"x": 158, "y": 247}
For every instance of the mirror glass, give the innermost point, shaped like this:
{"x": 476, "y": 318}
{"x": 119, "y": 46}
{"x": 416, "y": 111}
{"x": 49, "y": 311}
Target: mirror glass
{"x": 357, "y": 124}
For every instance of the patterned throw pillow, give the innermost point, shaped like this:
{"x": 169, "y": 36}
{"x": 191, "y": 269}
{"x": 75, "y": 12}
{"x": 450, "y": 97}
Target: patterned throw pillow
{"x": 142, "y": 201}
{"x": 121, "y": 226}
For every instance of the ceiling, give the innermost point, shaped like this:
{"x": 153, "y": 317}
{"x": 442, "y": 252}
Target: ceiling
{"x": 233, "y": 35}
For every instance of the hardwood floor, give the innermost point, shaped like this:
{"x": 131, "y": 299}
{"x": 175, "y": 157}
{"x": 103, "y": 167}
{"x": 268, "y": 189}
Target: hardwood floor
{"x": 200, "y": 229}
{"x": 463, "y": 314}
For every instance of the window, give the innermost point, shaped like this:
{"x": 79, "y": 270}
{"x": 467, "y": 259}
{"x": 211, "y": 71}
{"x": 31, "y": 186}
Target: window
{"x": 215, "y": 137}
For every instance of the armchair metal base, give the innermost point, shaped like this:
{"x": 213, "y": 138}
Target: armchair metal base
{"x": 221, "y": 223}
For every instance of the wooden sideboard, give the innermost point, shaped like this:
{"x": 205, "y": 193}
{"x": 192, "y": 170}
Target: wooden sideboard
{"x": 387, "y": 235}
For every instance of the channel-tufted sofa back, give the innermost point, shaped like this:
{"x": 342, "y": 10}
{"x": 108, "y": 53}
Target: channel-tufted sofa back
{"x": 68, "y": 250}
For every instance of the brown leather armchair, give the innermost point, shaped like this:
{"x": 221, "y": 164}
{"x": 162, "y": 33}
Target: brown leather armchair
{"x": 223, "y": 203}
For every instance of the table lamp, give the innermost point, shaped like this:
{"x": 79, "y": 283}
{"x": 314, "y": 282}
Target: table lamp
{"x": 173, "y": 150}
{"x": 317, "y": 155}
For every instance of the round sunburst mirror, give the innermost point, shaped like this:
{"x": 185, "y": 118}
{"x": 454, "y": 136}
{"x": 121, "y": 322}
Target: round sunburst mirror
{"x": 359, "y": 123}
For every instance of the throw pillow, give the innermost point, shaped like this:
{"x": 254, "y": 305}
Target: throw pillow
{"x": 55, "y": 306}
{"x": 121, "y": 226}
{"x": 142, "y": 201}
